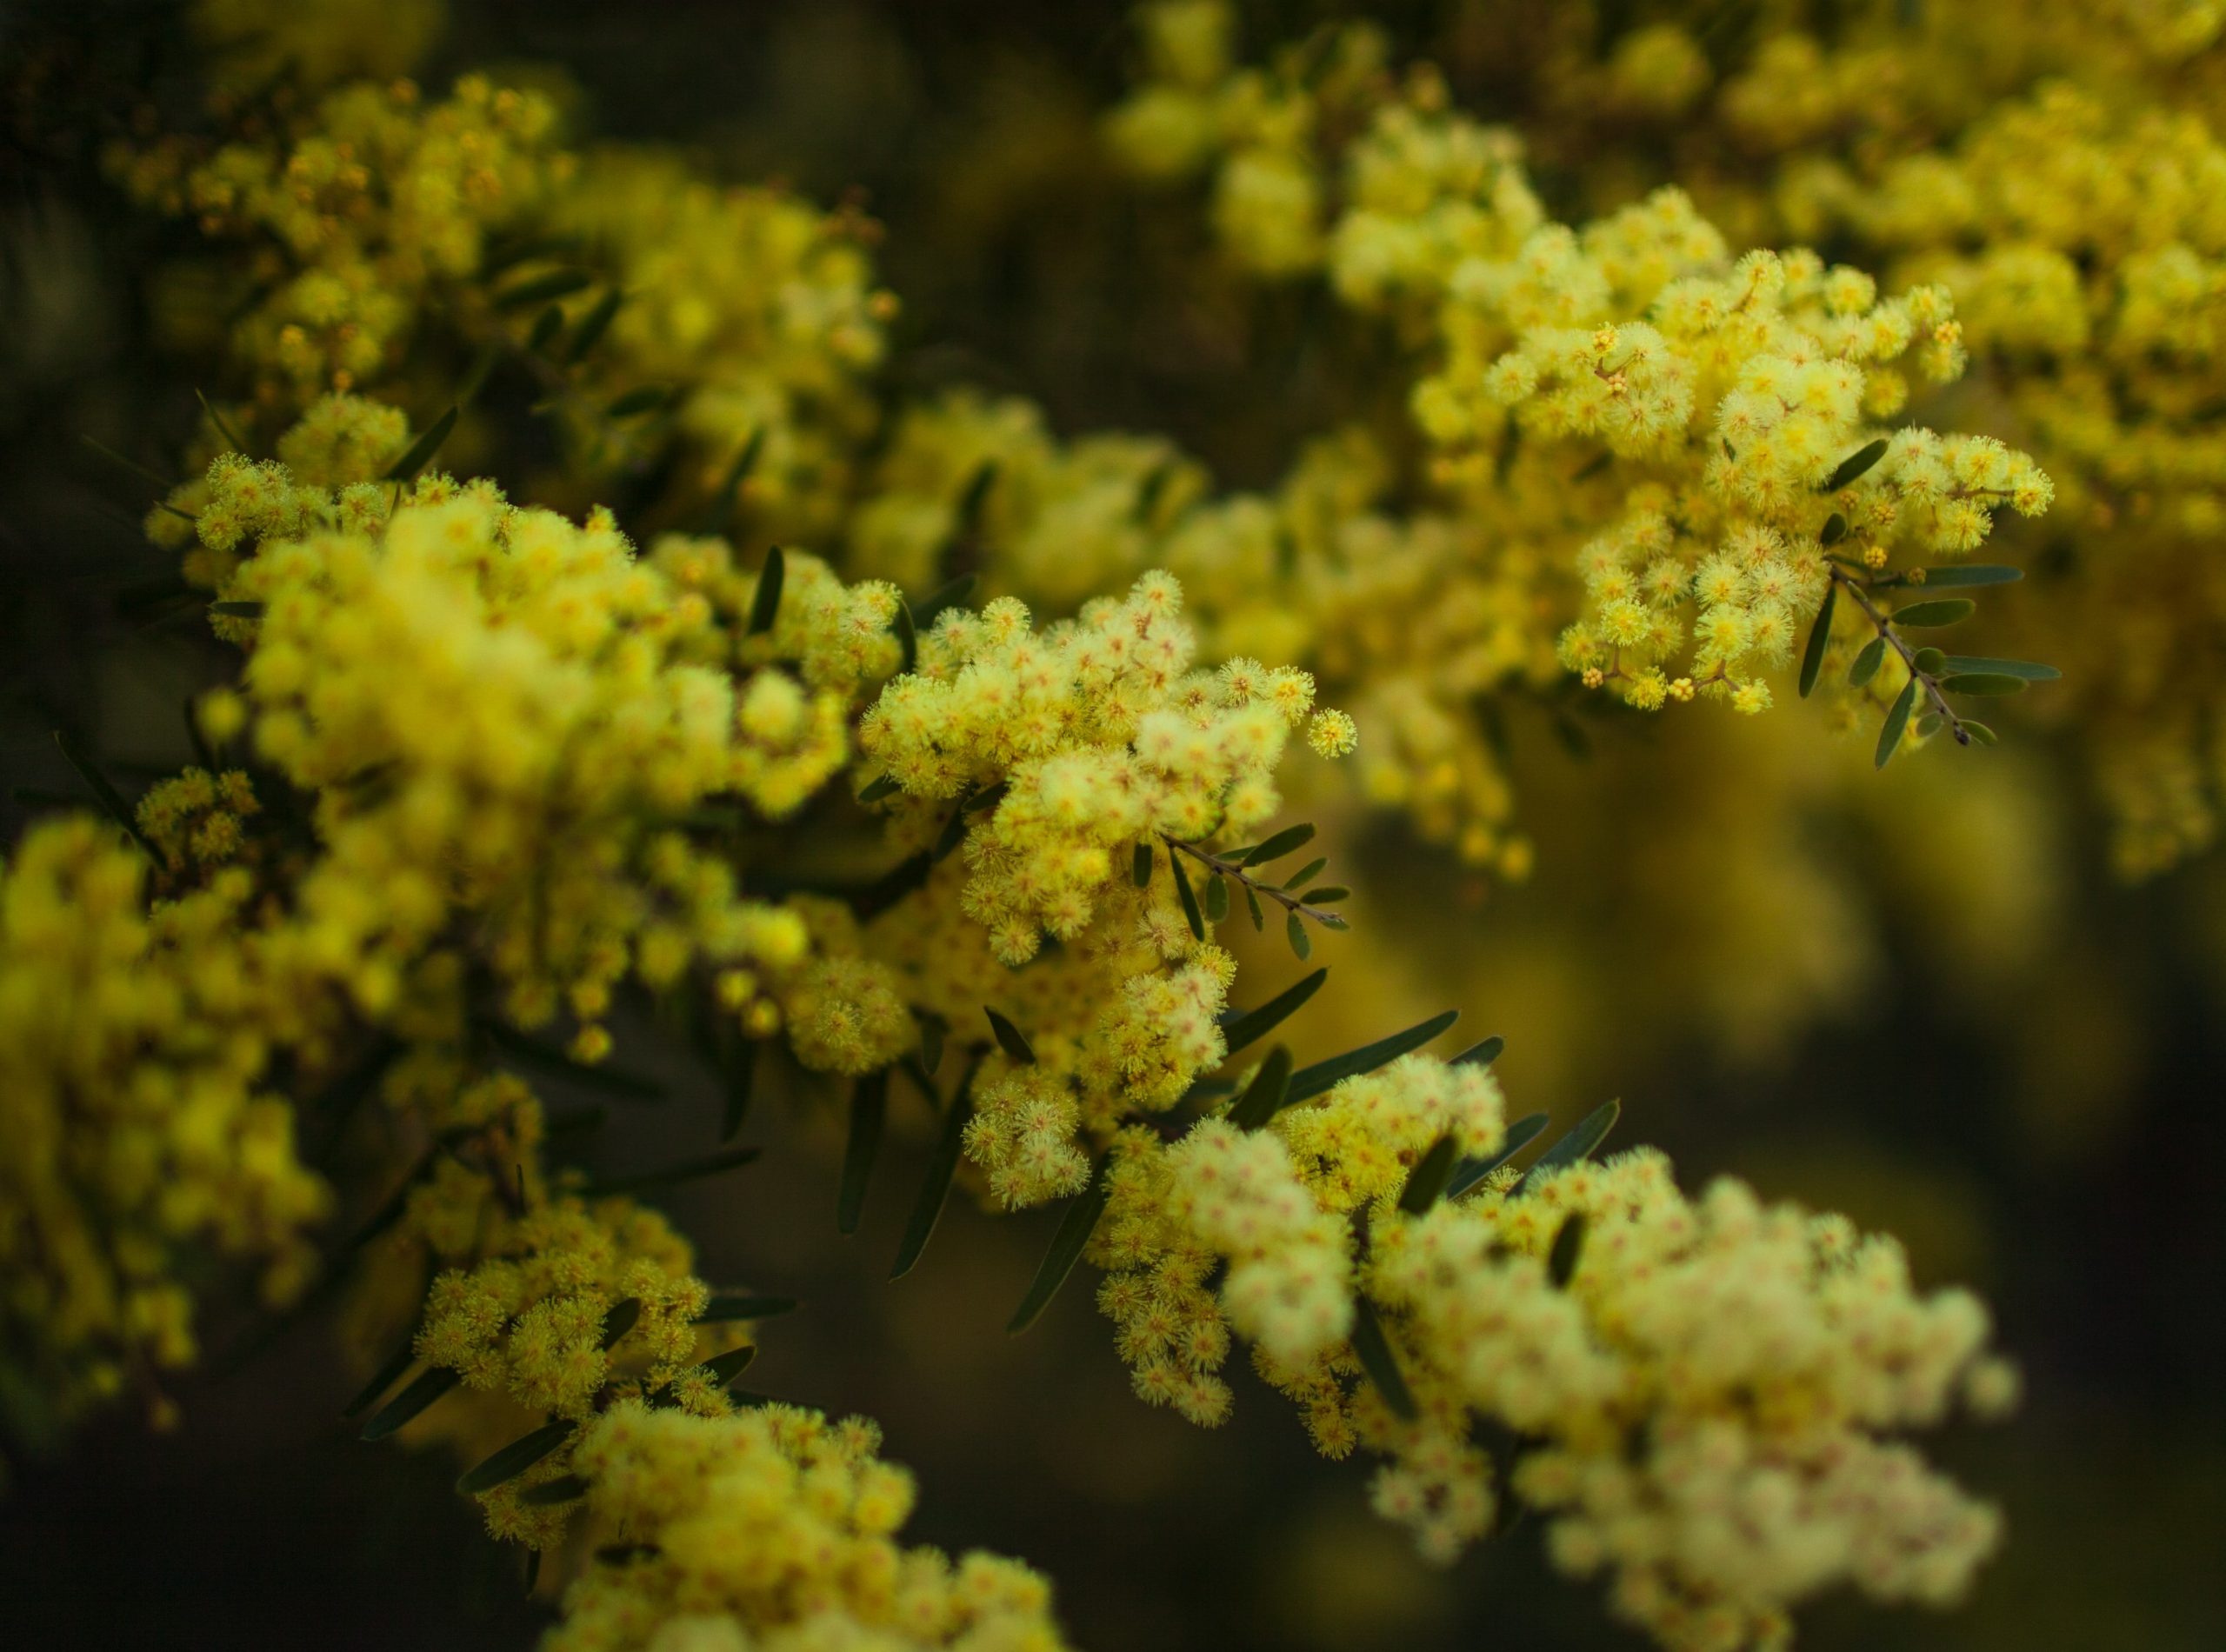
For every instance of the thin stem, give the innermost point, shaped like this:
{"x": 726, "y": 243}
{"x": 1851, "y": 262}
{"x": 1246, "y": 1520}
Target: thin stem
{"x": 1857, "y": 589}
{"x": 1227, "y": 867}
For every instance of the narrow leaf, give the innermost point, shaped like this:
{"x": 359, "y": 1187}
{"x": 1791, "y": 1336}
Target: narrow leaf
{"x": 1856, "y": 464}
{"x": 1980, "y": 733}
{"x": 673, "y": 1175}
{"x": 1971, "y": 574}
{"x": 720, "y": 515}
{"x": 908, "y": 639}
{"x": 1140, "y": 864}
{"x": 1867, "y": 662}
{"x": 428, "y": 1386}
{"x": 558, "y": 283}
{"x": 594, "y": 325}
{"x": 1075, "y": 1225}
{"x": 765, "y": 606}
{"x": 1009, "y": 1038}
{"x": 1835, "y": 529}
{"x": 1191, "y": 916}
{"x": 565, "y": 1488}
{"x": 1241, "y": 1028}
{"x": 384, "y": 1378}
{"x": 1281, "y": 844}
{"x": 935, "y": 1188}
{"x": 643, "y": 398}
{"x": 1252, "y": 905}
{"x": 1216, "y": 898}
{"x": 1947, "y": 610}
{"x": 1568, "y": 1243}
{"x": 879, "y": 787}
{"x": 418, "y": 454}
{"x": 546, "y": 326}
{"x": 622, "y": 1318}
{"x": 1374, "y": 1351}
{"x": 1265, "y": 1095}
{"x": 1896, "y": 720}
{"x": 1587, "y": 1134}
{"x": 223, "y": 425}
{"x": 740, "y": 1080}
{"x": 1983, "y": 682}
{"x": 2028, "y": 669}
{"x": 932, "y": 1030}
{"x": 514, "y": 1458}
{"x": 1519, "y": 1136}
{"x": 612, "y": 1080}
{"x": 1306, "y": 873}
{"x": 1820, "y": 636}
{"x": 1328, "y": 895}
{"x": 1309, "y": 1081}
{"x": 1300, "y": 943}
{"x": 1431, "y": 1176}
{"x": 725, "y": 1308}
{"x": 869, "y": 1107}
{"x": 1481, "y": 1055}
{"x": 723, "y": 1369}
{"x": 111, "y": 799}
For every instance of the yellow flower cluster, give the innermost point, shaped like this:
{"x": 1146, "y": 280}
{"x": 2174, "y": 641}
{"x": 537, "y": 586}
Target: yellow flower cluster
{"x": 774, "y": 1529}
{"x": 355, "y": 217}
{"x": 135, "y": 1049}
{"x": 1714, "y": 1386}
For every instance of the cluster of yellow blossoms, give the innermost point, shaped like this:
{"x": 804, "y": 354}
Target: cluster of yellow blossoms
{"x": 1708, "y": 1389}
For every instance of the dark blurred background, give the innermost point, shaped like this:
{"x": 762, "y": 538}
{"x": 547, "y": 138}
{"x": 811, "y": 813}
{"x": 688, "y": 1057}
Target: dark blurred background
{"x": 2053, "y": 1138}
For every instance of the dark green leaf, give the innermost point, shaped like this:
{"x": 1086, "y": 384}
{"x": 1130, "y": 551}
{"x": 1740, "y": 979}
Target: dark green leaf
{"x": 111, "y": 799}
{"x": 673, "y": 1175}
{"x": 1569, "y": 1244}
{"x": 558, "y": 283}
{"x": 1835, "y": 529}
{"x": 1820, "y": 636}
{"x": 1432, "y": 1173}
{"x": 1374, "y": 1351}
{"x": 1184, "y": 893}
{"x": 643, "y": 398}
{"x": 1328, "y": 895}
{"x": 1306, "y": 873}
{"x": 1309, "y": 1081}
{"x": 932, "y": 1029}
{"x": 765, "y": 606}
{"x": 1867, "y": 662}
{"x": 952, "y": 835}
{"x": 1216, "y": 898}
{"x": 723, "y": 1369}
{"x": 1252, "y": 905}
{"x": 975, "y": 498}
{"x": 741, "y": 1076}
{"x": 908, "y": 639}
{"x": 1009, "y": 1038}
{"x": 384, "y": 1378}
{"x": 612, "y": 1080}
{"x": 1856, "y": 464}
{"x": 419, "y": 453}
{"x": 546, "y": 326}
{"x": 1896, "y": 720}
{"x": 935, "y": 1188}
{"x": 1076, "y": 1224}
{"x": 1482, "y": 1055}
{"x": 565, "y": 1488}
{"x": 514, "y": 1458}
{"x": 1281, "y": 844}
{"x": 427, "y": 1387}
{"x": 1265, "y": 1095}
{"x": 879, "y": 787}
{"x": 622, "y": 1318}
{"x": 1980, "y": 733}
{"x": 723, "y": 1308}
{"x": 223, "y": 425}
{"x": 1974, "y": 664}
{"x": 720, "y": 515}
{"x": 1242, "y": 1027}
{"x": 869, "y": 1107}
{"x": 1300, "y": 943}
{"x": 1983, "y": 682}
{"x": 594, "y": 325}
{"x": 1929, "y": 661}
{"x": 237, "y": 610}
{"x": 476, "y": 375}
{"x": 1586, "y": 1136}
{"x": 1519, "y": 1136}
{"x": 1971, "y": 574}
{"x": 1140, "y": 865}
{"x": 1946, "y": 610}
